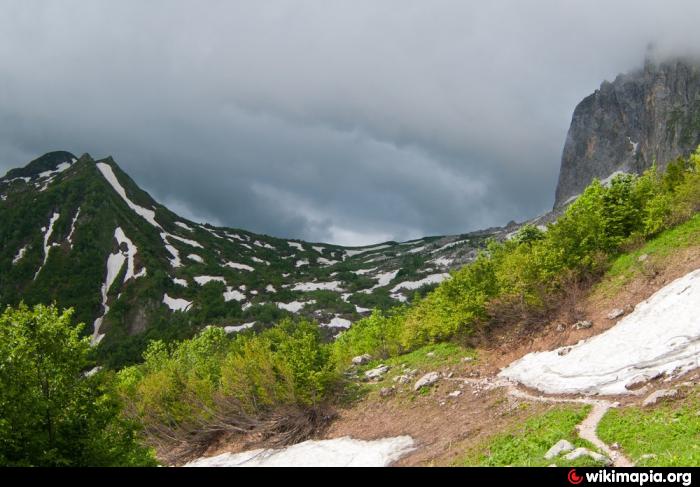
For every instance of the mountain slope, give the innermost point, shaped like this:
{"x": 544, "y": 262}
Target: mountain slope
{"x": 82, "y": 233}
{"x": 652, "y": 114}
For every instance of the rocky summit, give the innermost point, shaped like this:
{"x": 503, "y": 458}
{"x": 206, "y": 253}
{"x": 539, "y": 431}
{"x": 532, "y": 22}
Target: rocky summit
{"x": 651, "y": 114}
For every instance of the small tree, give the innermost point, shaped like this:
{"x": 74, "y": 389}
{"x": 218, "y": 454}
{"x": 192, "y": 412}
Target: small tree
{"x": 51, "y": 413}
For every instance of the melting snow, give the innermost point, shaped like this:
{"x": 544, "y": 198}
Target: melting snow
{"x": 242, "y": 267}
{"x": 449, "y": 246}
{"x": 232, "y": 294}
{"x": 195, "y": 258}
{"x": 202, "y": 280}
{"x": 59, "y": 169}
{"x": 350, "y": 253}
{"x": 180, "y": 282}
{"x": 20, "y": 254}
{"x": 415, "y": 250}
{"x": 259, "y": 261}
{"x": 661, "y": 336}
{"x": 131, "y": 251}
{"x": 362, "y": 310}
{"x": 338, "y": 452}
{"x": 361, "y": 272}
{"x": 72, "y": 227}
{"x": 296, "y": 245}
{"x": 47, "y": 237}
{"x": 326, "y": 262}
{"x": 301, "y": 262}
{"x": 385, "y": 278}
{"x": 270, "y": 288}
{"x": 337, "y": 322}
{"x": 263, "y": 245}
{"x": 176, "y": 304}
{"x": 148, "y": 215}
{"x": 318, "y": 286}
{"x": 442, "y": 262}
{"x": 237, "y": 328}
{"x": 186, "y": 227}
{"x": 318, "y": 248}
{"x": 294, "y": 306}
{"x": 187, "y": 241}
{"x": 431, "y": 279}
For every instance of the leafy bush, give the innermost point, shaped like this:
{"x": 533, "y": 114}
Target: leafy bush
{"x": 51, "y": 414}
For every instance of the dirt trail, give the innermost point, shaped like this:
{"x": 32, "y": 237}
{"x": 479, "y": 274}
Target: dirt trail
{"x": 586, "y": 429}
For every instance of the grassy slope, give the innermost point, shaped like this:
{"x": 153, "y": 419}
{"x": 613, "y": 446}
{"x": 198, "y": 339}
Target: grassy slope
{"x": 525, "y": 445}
{"x": 670, "y": 431}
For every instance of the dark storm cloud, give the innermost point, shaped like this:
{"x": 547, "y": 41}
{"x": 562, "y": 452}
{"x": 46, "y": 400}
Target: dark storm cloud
{"x": 349, "y": 122}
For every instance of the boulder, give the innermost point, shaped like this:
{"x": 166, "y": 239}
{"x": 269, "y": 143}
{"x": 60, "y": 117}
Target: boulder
{"x": 583, "y": 325}
{"x": 361, "y": 359}
{"x": 616, "y": 313}
{"x": 638, "y": 381}
{"x": 387, "y": 391}
{"x": 427, "y": 380}
{"x": 456, "y": 393}
{"x": 585, "y": 452}
{"x": 561, "y": 446}
{"x": 377, "y": 372}
{"x": 656, "y": 396}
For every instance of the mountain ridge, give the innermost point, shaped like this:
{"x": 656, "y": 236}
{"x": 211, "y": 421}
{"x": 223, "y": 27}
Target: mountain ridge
{"x": 82, "y": 233}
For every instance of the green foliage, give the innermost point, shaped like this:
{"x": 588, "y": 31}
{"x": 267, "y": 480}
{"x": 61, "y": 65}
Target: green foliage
{"x": 50, "y": 413}
{"x": 198, "y": 379}
{"x": 378, "y": 335}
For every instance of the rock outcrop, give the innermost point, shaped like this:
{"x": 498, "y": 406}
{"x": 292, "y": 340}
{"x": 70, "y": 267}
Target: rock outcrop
{"x": 652, "y": 114}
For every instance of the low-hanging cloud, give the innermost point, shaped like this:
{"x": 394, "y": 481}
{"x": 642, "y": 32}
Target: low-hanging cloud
{"x": 348, "y": 122}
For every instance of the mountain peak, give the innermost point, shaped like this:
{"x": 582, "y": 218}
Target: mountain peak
{"x": 51, "y": 161}
{"x": 650, "y": 114}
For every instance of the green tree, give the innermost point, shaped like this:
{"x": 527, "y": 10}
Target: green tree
{"x": 51, "y": 413}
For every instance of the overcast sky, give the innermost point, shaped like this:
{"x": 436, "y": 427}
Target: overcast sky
{"x": 346, "y": 121}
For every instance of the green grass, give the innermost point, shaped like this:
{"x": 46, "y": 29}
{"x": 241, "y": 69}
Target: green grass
{"x": 627, "y": 266}
{"x": 525, "y": 444}
{"x": 670, "y": 431}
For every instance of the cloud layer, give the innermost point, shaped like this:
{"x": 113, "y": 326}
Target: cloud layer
{"x": 349, "y": 122}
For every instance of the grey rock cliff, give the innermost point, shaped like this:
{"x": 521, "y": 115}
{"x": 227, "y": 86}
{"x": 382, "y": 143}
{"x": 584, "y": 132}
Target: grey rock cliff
{"x": 652, "y": 114}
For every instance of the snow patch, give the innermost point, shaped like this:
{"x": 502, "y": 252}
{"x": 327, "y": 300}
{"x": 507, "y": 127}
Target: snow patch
{"x": 233, "y": 294}
{"x": 237, "y": 328}
{"x": 270, "y": 288}
{"x": 72, "y": 228}
{"x": 260, "y": 261}
{"x": 187, "y": 241}
{"x": 180, "y": 282}
{"x": 337, "y": 322}
{"x": 195, "y": 258}
{"x": 295, "y": 306}
{"x": 411, "y": 285}
{"x": 235, "y": 265}
{"x": 351, "y": 253}
{"x": 318, "y": 249}
{"x": 185, "y": 226}
{"x": 176, "y": 304}
{"x": 317, "y": 286}
{"x": 47, "y": 236}
{"x": 20, "y": 254}
{"x": 661, "y": 336}
{"x": 145, "y": 213}
{"x": 202, "y": 280}
{"x": 59, "y": 169}
{"x": 338, "y": 452}
{"x": 296, "y": 245}
{"x": 301, "y": 262}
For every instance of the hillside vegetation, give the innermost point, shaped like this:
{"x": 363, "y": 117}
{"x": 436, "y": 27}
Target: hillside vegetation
{"x": 278, "y": 382}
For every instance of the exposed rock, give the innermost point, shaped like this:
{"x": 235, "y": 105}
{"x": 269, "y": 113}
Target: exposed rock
{"x": 647, "y": 456}
{"x": 638, "y": 381}
{"x": 427, "y": 380}
{"x": 642, "y": 258}
{"x": 468, "y": 359}
{"x": 387, "y": 391}
{"x": 656, "y": 396}
{"x": 361, "y": 359}
{"x": 583, "y": 452}
{"x": 402, "y": 379}
{"x": 616, "y": 313}
{"x": 563, "y": 351}
{"x": 455, "y": 393}
{"x": 377, "y": 372}
{"x": 560, "y": 328}
{"x": 647, "y": 115}
{"x": 583, "y": 325}
{"x": 615, "y": 446}
{"x": 561, "y": 446}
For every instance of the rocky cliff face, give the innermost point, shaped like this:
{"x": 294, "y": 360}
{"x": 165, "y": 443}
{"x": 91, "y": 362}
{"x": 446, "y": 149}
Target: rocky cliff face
{"x": 652, "y": 114}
